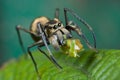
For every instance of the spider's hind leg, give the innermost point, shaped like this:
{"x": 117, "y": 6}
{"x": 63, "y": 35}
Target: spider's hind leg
{"x": 57, "y": 13}
{"x": 18, "y": 29}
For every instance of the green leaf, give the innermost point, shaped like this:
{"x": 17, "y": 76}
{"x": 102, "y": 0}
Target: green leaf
{"x": 104, "y": 65}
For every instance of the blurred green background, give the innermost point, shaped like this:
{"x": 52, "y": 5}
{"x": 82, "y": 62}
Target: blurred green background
{"x": 102, "y": 15}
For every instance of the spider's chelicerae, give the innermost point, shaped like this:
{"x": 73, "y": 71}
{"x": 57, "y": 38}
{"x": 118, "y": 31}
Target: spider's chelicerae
{"x": 52, "y": 32}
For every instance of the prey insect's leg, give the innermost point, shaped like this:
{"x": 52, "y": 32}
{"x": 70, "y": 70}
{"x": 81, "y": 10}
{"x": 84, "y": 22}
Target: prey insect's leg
{"x": 29, "y": 52}
{"x": 51, "y": 58}
{"x": 57, "y": 13}
{"x": 46, "y": 45}
{"x": 18, "y": 28}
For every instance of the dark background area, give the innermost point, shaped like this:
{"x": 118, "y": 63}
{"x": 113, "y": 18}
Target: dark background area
{"x": 102, "y": 15}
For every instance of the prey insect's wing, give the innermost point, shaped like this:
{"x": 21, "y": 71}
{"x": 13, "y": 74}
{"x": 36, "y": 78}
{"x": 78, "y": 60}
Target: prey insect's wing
{"x": 82, "y": 21}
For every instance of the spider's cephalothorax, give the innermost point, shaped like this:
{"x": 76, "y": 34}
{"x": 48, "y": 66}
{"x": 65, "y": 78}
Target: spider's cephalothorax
{"x": 52, "y": 32}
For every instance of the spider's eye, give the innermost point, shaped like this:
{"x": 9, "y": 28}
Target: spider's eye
{"x": 49, "y": 27}
{"x": 55, "y": 27}
{"x": 59, "y": 24}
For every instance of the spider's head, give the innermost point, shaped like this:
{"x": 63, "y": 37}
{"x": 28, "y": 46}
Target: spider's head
{"x": 52, "y": 25}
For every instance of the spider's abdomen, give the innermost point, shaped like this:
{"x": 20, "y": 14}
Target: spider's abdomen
{"x": 42, "y": 20}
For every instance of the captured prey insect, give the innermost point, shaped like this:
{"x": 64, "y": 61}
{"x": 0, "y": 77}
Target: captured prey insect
{"x": 45, "y": 31}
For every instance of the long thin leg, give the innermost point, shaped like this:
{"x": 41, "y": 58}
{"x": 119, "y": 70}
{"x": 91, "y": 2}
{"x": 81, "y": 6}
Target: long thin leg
{"x": 44, "y": 40}
{"x": 66, "y": 18}
{"x": 81, "y": 34}
{"x": 29, "y": 52}
{"x": 57, "y": 13}
{"x": 51, "y": 58}
{"x": 87, "y": 42}
{"x": 81, "y": 20}
{"x": 18, "y": 28}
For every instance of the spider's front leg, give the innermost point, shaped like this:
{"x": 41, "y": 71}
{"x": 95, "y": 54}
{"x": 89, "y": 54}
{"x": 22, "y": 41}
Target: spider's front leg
{"x": 44, "y": 39}
{"x": 77, "y": 29}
